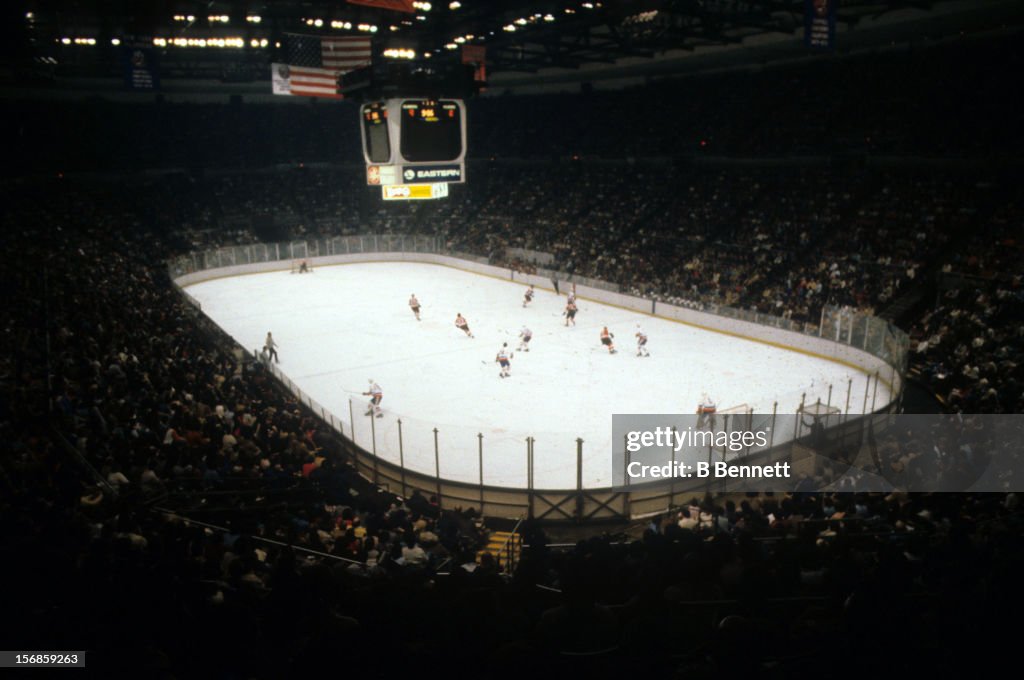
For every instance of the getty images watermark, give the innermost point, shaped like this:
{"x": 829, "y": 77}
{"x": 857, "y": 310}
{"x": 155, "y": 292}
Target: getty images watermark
{"x": 690, "y": 439}
{"x": 819, "y": 451}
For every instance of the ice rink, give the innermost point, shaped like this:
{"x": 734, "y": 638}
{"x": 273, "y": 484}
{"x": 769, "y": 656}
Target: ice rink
{"x": 342, "y": 325}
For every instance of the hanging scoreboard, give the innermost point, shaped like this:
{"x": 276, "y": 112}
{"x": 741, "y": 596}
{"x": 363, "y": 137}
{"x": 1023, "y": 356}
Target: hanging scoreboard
{"x": 414, "y": 142}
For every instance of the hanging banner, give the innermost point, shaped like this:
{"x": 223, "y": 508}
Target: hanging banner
{"x": 820, "y": 24}
{"x": 476, "y": 56}
{"x": 140, "y": 67}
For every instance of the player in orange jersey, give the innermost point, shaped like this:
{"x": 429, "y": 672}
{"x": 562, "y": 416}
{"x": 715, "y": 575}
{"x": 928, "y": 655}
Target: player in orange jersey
{"x": 462, "y": 324}
{"x": 606, "y": 340}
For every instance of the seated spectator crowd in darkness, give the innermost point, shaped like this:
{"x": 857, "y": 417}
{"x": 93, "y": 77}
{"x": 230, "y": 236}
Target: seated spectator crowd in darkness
{"x": 967, "y": 347}
{"x": 170, "y": 507}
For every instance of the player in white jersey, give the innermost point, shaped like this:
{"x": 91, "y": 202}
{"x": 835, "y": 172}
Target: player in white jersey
{"x": 641, "y": 342}
{"x": 525, "y": 335}
{"x": 414, "y": 305}
{"x": 504, "y": 359}
{"x": 376, "y": 394}
{"x": 528, "y": 296}
{"x": 270, "y": 345}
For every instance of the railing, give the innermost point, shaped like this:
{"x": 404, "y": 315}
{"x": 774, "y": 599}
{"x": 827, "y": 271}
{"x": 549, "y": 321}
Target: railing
{"x": 403, "y": 454}
{"x": 508, "y": 548}
{"x": 259, "y": 539}
{"x": 83, "y": 462}
{"x": 259, "y": 253}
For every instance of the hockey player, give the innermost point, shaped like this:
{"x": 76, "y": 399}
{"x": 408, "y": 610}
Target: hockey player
{"x": 376, "y": 394}
{"x": 503, "y": 359}
{"x": 706, "y": 412}
{"x": 414, "y": 305}
{"x": 270, "y": 345}
{"x": 606, "y": 340}
{"x": 528, "y": 296}
{"x": 462, "y": 324}
{"x": 570, "y": 313}
{"x": 641, "y": 342}
{"x": 525, "y": 335}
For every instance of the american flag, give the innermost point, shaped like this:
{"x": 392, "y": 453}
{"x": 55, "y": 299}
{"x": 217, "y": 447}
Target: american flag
{"x": 297, "y": 81}
{"x": 314, "y": 64}
{"x": 344, "y": 54}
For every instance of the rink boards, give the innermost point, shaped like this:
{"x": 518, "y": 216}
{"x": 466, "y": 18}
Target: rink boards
{"x": 343, "y": 325}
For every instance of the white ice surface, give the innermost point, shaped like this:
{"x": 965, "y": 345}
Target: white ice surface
{"x": 342, "y": 325}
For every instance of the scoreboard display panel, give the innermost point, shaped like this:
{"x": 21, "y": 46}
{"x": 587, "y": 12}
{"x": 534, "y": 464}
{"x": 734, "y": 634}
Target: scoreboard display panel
{"x": 414, "y": 141}
{"x": 431, "y": 131}
{"x": 375, "y": 133}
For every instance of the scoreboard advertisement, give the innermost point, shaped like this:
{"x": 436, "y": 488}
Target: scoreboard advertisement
{"x": 414, "y": 192}
{"x": 414, "y": 142}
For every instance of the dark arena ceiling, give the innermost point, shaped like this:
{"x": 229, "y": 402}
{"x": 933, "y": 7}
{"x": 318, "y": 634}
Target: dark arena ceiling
{"x": 236, "y": 41}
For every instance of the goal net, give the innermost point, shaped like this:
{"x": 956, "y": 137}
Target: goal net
{"x": 709, "y": 416}
{"x": 734, "y": 417}
{"x": 738, "y": 422}
{"x": 742, "y": 411}
{"x": 302, "y": 266}
{"x": 819, "y": 410}
{"x": 819, "y": 414}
